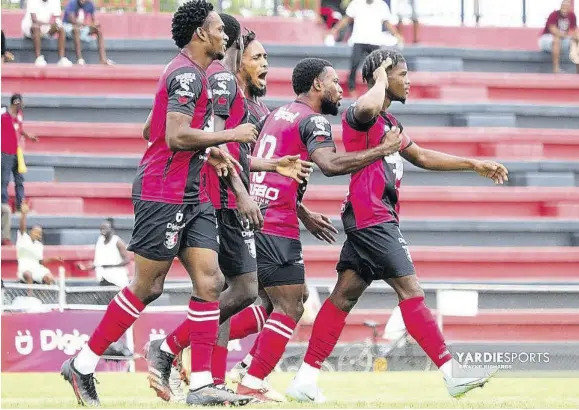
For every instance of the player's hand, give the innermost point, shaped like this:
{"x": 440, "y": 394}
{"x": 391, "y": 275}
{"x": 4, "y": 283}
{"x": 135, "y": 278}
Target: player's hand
{"x": 245, "y": 133}
{"x": 492, "y": 170}
{"x": 320, "y": 226}
{"x": 392, "y": 141}
{"x": 250, "y": 216}
{"x": 292, "y": 166}
{"x": 223, "y": 162}
{"x": 24, "y": 208}
{"x": 33, "y": 137}
{"x": 380, "y": 73}
{"x": 80, "y": 266}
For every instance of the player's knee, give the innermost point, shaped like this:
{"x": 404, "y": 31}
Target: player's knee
{"x": 295, "y": 309}
{"x": 344, "y": 301}
{"x": 245, "y": 296}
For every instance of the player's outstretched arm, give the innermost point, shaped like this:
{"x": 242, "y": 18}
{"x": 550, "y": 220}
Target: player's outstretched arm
{"x": 181, "y": 137}
{"x": 289, "y": 166}
{"x": 439, "y": 161}
{"x": 333, "y": 164}
{"x": 369, "y": 105}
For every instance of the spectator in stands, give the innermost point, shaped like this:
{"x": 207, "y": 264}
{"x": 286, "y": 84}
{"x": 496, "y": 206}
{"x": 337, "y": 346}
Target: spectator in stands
{"x": 30, "y": 253}
{"x": 42, "y": 19}
{"x": 12, "y": 131}
{"x": 407, "y": 9}
{"x": 561, "y": 33}
{"x": 110, "y": 258}
{"x": 75, "y": 14}
{"x": 6, "y": 55}
{"x": 6, "y": 224}
{"x": 369, "y": 18}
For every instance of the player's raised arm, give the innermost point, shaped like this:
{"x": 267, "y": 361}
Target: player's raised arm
{"x": 369, "y": 105}
{"x": 185, "y": 91}
{"x": 439, "y": 161}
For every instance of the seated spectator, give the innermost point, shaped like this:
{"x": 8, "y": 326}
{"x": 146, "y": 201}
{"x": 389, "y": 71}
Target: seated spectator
{"x": 42, "y": 20}
{"x": 75, "y": 14}
{"x": 110, "y": 258}
{"x": 561, "y": 33}
{"x": 6, "y": 55}
{"x": 6, "y": 224}
{"x": 30, "y": 253}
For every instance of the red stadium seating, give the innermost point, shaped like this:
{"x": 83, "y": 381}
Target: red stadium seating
{"x": 432, "y": 263}
{"x": 433, "y": 202}
{"x": 299, "y": 31}
{"x": 554, "y": 325}
{"x": 505, "y": 143}
{"x": 463, "y": 86}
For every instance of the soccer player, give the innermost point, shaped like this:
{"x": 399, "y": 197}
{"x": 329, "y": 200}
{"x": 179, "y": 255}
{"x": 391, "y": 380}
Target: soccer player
{"x": 236, "y": 245}
{"x": 375, "y": 249}
{"x": 295, "y": 128}
{"x": 170, "y": 219}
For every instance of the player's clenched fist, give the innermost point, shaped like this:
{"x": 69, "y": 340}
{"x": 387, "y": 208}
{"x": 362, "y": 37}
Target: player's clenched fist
{"x": 245, "y": 133}
{"x": 392, "y": 141}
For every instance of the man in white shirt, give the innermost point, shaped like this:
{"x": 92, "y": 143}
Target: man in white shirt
{"x": 30, "y": 253}
{"x": 369, "y": 18}
{"x": 43, "y": 19}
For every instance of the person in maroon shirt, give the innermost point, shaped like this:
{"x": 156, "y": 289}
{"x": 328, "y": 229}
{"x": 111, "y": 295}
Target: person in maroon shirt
{"x": 375, "y": 249}
{"x": 298, "y": 128}
{"x": 171, "y": 219}
{"x": 560, "y": 33}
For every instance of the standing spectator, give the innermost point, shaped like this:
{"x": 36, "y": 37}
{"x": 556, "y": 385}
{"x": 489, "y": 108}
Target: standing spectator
{"x": 407, "y": 9}
{"x": 110, "y": 258}
{"x": 75, "y": 14}
{"x": 6, "y": 55}
{"x": 561, "y": 33}
{"x": 30, "y": 253}
{"x": 42, "y": 19}
{"x": 6, "y": 224}
{"x": 12, "y": 131}
{"x": 369, "y": 18}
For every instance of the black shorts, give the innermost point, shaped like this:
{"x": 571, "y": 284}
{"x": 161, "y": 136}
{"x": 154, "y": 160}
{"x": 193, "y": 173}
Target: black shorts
{"x": 236, "y": 246}
{"x": 376, "y": 252}
{"x": 162, "y": 230}
{"x": 280, "y": 260}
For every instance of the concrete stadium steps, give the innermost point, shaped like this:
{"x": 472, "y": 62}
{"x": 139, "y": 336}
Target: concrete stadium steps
{"x": 557, "y": 265}
{"x": 126, "y": 79}
{"x": 436, "y": 202}
{"x": 134, "y": 109}
{"x": 297, "y": 30}
{"x": 506, "y": 143}
{"x": 419, "y": 58}
{"x": 84, "y": 230}
{"x": 100, "y": 168}
{"x": 497, "y": 325}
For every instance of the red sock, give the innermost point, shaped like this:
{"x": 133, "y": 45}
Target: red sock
{"x": 254, "y": 347}
{"x": 178, "y": 339}
{"x": 327, "y": 329}
{"x": 203, "y": 330}
{"x": 219, "y": 364}
{"x": 247, "y": 322}
{"x": 121, "y": 313}
{"x": 423, "y": 328}
{"x": 274, "y": 337}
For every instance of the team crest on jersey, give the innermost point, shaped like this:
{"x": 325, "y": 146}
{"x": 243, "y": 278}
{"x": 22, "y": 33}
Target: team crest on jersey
{"x": 171, "y": 239}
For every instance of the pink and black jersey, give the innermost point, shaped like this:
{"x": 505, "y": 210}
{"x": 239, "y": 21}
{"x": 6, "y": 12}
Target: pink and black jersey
{"x": 373, "y": 195}
{"x": 293, "y": 129}
{"x": 164, "y": 175}
{"x": 228, "y": 103}
{"x": 257, "y": 111}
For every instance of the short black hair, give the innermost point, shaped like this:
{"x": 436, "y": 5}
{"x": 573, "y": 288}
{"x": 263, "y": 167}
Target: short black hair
{"x": 231, "y": 27}
{"x": 111, "y": 222}
{"x": 248, "y": 37}
{"x": 375, "y": 58}
{"x": 188, "y": 18}
{"x": 16, "y": 99}
{"x": 306, "y": 71}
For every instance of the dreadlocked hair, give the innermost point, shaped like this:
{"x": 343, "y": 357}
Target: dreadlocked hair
{"x": 188, "y": 18}
{"x": 231, "y": 27}
{"x": 248, "y": 37}
{"x": 305, "y": 72}
{"x": 375, "y": 59}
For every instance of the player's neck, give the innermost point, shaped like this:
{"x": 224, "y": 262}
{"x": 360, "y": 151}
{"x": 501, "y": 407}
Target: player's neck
{"x": 386, "y": 104}
{"x": 230, "y": 60}
{"x": 313, "y": 104}
{"x": 12, "y": 111}
{"x": 198, "y": 56}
